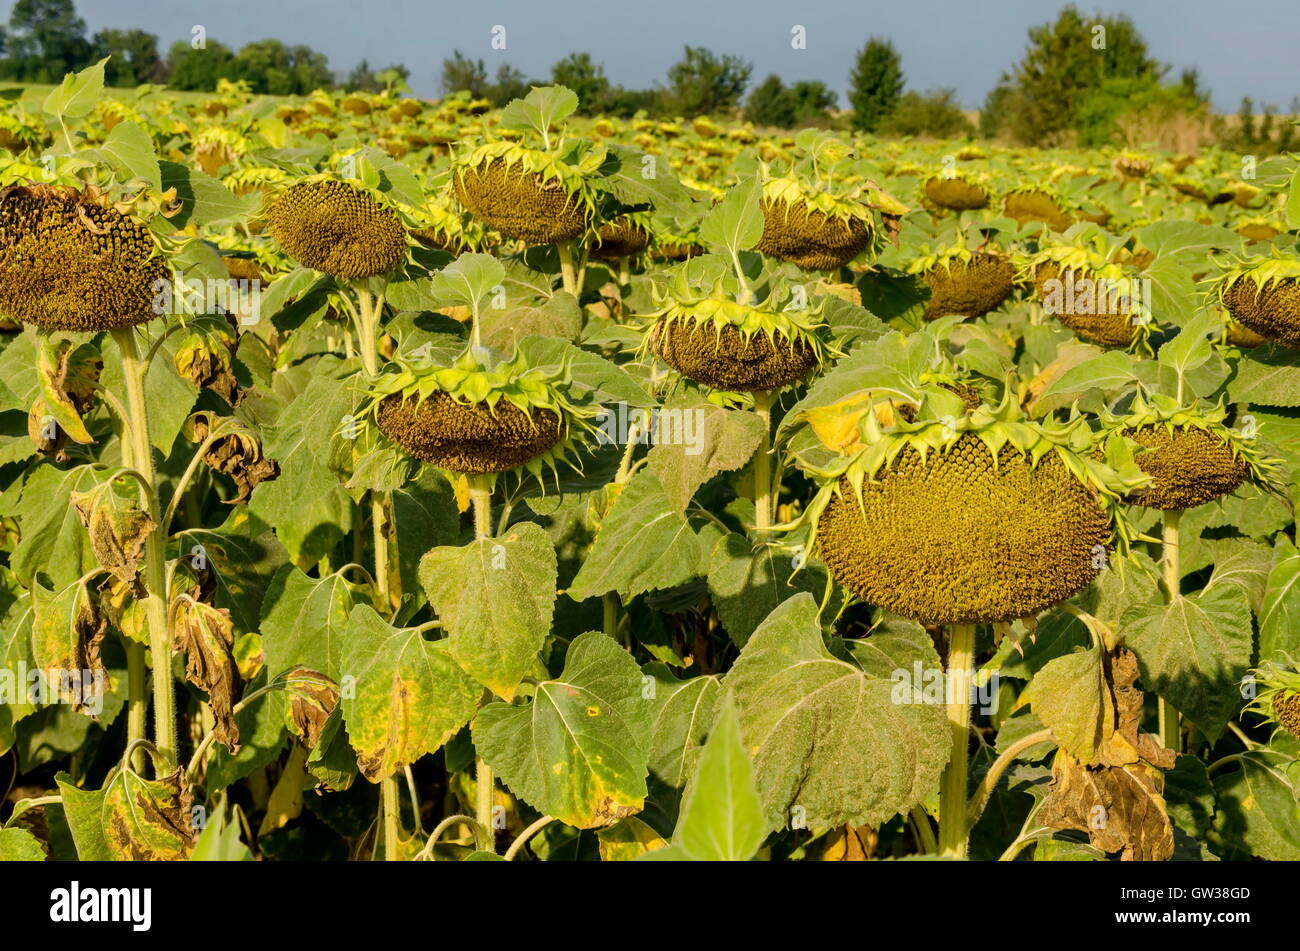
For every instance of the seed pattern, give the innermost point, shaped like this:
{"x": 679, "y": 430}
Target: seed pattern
{"x": 809, "y": 238}
{"x": 1189, "y": 466}
{"x": 337, "y": 229}
{"x": 1273, "y": 312}
{"x": 520, "y": 204}
{"x": 469, "y": 438}
{"x": 951, "y": 539}
{"x": 729, "y": 360}
{"x": 1286, "y": 710}
{"x": 956, "y": 194}
{"x": 68, "y": 263}
{"x": 1115, "y": 329}
{"x": 970, "y": 288}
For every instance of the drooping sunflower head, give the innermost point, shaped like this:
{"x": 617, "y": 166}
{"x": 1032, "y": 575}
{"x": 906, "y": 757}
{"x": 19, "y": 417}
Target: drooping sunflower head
{"x": 72, "y": 261}
{"x": 957, "y": 191}
{"x": 965, "y": 281}
{"x": 538, "y": 196}
{"x": 1263, "y": 295}
{"x": 442, "y": 227}
{"x": 815, "y": 230}
{"x": 1081, "y": 286}
{"x": 1277, "y": 696}
{"x": 626, "y": 235}
{"x": 729, "y": 344}
{"x": 1027, "y": 203}
{"x": 337, "y": 228}
{"x": 969, "y": 514}
{"x": 470, "y": 419}
{"x": 1191, "y": 455}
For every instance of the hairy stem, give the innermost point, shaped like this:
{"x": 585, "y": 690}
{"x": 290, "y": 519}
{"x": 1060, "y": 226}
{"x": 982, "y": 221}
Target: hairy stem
{"x": 990, "y": 781}
{"x": 392, "y": 818}
{"x": 160, "y": 641}
{"x": 1170, "y": 733}
{"x": 527, "y": 834}
{"x": 568, "y": 275}
{"x": 137, "y": 678}
{"x": 763, "y": 500}
{"x": 480, "y": 496}
{"x": 953, "y": 826}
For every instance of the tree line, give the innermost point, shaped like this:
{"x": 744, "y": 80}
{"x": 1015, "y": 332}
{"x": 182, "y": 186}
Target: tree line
{"x": 1082, "y": 80}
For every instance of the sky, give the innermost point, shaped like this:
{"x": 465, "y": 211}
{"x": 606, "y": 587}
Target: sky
{"x": 1240, "y": 49}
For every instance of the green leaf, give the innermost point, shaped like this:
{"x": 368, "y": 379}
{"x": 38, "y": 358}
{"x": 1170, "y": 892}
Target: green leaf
{"x": 19, "y": 845}
{"x": 1070, "y": 696}
{"x": 131, "y": 818}
{"x": 540, "y": 109}
{"x": 204, "y": 200}
{"x": 1259, "y": 812}
{"x": 696, "y": 440}
{"x": 495, "y": 597}
{"x": 579, "y": 750}
{"x": 305, "y": 622}
{"x": 83, "y": 808}
{"x": 220, "y": 842}
{"x": 409, "y": 697}
{"x": 1279, "y": 613}
{"x": 169, "y": 396}
{"x": 736, "y": 222}
{"x": 1111, "y": 372}
{"x": 53, "y": 539}
{"x": 1191, "y": 348}
{"x": 130, "y": 150}
{"x": 1267, "y": 376}
{"x": 1194, "y": 653}
{"x": 747, "y": 583}
{"x": 77, "y": 94}
{"x": 1293, "y": 201}
{"x": 683, "y": 715}
{"x": 843, "y": 745}
{"x": 722, "y": 817}
{"x": 638, "y": 179}
{"x": 424, "y": 513}
{"x": 643, "y": 544}
{"x": 243, "y": 556}
{"x": 469, "y": 281}
{"x": 601, "y": 380}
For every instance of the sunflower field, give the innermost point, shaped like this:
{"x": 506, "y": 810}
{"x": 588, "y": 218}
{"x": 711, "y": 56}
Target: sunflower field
{"x": 385, "y": 479}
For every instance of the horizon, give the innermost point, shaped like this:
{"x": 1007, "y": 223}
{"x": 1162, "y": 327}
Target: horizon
{"x": 969, "y": 55}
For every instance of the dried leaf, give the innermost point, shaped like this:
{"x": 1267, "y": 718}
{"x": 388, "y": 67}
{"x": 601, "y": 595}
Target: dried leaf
{"x": 145, "y": 820}
{"x": 68, "y": 631}
{"x": 117, "y": 526}
{"x": 1122, "y": 808}
{"x": 207, "y": 637}
{"x": 312, "y": 698}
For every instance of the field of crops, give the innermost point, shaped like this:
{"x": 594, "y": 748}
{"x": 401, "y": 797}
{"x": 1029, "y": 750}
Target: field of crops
{"x": 404, "y": 480}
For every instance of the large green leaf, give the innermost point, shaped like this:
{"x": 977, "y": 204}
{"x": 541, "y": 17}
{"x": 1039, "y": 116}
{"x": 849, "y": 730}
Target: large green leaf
{"x": 1070, "y": 695}
{"x": 77, "y": 94}
{"x": 696, "y": 440}
{"x": 305, "y": 622}
{"x": 407, "y": 696}
{"x": 1259, "y": 807}
{"x": 644, "y": 544}
{"x": 683, "y": 716}
{"x": 722, "y": 818}
{"x": 495, "y": 597}
{"x": 243, "y": 557}
{"x": 579, "y": 750}
{"x": 19, "y": 845}
{"x": 842, "y": 744}
{"x": 1194, "y": 652}
{"x": 1279, "y": 614}
{"x": 735, "y": 223}
{"x": 424, "y": 514}
{"x": 747, "y": 582}
{"x": 53, "y": 540}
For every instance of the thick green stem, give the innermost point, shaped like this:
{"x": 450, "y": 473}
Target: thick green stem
{"x": 480, "y": 496}
{"x": 1170, "y": 733}
{"x": 160, "y": 641}
{"x": 392, "y": 818}
{"x": 568, "y": 275}
{"x": 367, "y": 325}
{"x": 137, "y": 678}
{"x": 763, "y": 500}
{"x": 378, "y": 521}
{"x": 954, "y": 827}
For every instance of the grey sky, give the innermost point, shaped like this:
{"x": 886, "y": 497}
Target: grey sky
{"x": 1240, "y": 49}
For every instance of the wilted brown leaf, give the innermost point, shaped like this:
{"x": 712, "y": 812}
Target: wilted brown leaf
{"x": 147, "y": 820}
{"x": 207, "y": 637}
{"x": 67, "y": 634}
{"x": 118, "y": 528}
{"x": 312, "y": 698}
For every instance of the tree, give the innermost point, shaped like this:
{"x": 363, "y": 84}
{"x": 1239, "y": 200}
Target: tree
{"x": 773, "y": 103}
{"x": 935, "y": 113}
{"x": 200, "y": 69}
{"x": 46, "y": 40}
{"x": 586, "y": 78}
{"x": 509, "y": 84}
{"x": 273, "y": 68}
{"x": 133, "y": 56}
{"x": 875, "y": 84}
{"x": 365, "y": 79}
{"x": 703, "y": 82}
{"x": 460, "y": 73}
{"x": 1068, "y": 60}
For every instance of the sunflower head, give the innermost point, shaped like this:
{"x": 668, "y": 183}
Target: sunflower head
{"x": 469, "y": 419}
{"x": 1277, "y": 696}
{"x": 1191, "y": 455}
{"x": 337, "y": 228}
{"x": 1263, "y": 295}
{"x": 967, "y": 513}
{"x": 72, "y": 261}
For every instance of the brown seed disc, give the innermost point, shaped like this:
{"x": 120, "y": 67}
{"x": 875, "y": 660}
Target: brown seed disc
{"x": 1189, "y": 466}
{"x": 809, "y": 238}
{"x": 520, "y": 204}
{"x": 727, "y": 360}
{"x": 970, "y": 288}
{"x": 1273, "y": 312}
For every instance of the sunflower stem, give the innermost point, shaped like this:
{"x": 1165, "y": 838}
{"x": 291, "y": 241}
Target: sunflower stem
{"x": 763, "y": 464}
{"x": 567, "y": 274}
{"x": 1170, "y": 731}
{"x": 160, "y": 642}
{"x": 480, "y": 496}
{"x": 137, "y": 678}
{"x": 392, "y": 818}
{"x": 954, "y": 826}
